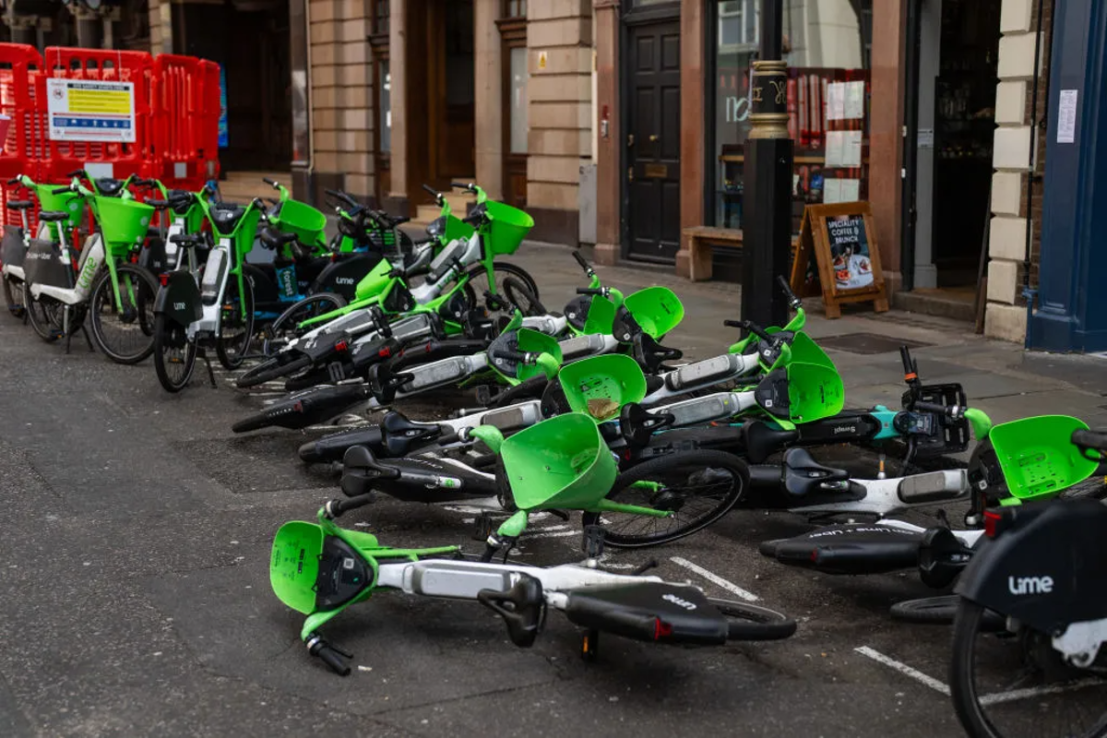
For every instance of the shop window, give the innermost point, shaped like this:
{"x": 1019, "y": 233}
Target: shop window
{"x": 518, "y": 114}
{"x": 515, "y": 9}
{"x": 381, "y": 13}
{"x": 828, "y": 93}
{"x": 384, "y": 98}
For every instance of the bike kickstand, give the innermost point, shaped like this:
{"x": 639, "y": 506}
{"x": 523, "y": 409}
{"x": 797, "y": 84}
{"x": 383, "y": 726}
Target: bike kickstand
{"x": 88, "y": 340}
{"x": 207, "y": 363}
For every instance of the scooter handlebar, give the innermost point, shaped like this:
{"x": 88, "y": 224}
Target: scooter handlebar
{"x": 583, "y": 263}
{"x": 336, "y": 508}
{"x": 787, "y": 289}
{"x": 61, "y": 190}
{"x": 13, "y": 181}
{"x": 589, "y": 291}
{"x": 271, "y": 182}
{"x": 953, "y": 411}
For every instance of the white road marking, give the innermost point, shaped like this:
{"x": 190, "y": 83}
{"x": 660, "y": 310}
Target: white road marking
{"x": 1022, "y": 694}
{"x": 904, "y": 669}
{"x": 715, "y": 579}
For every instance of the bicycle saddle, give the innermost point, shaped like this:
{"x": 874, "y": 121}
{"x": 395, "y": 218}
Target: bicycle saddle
{"x": 625, "y": 328}
{"x": 527, "y": 612}
{"x": 651, "y": 355}
{"x": 803, "y": 475}
{"x": 360, "y": 470}
{"x": 188, "y": 239}
{"x": 762, "y": 440}
{"x": 637, "y": 424}
{"x": 53, "y": 216}
{"x": 20, "y": 205}
{"x": 109, "y": 187}
{"x": 402, "y": 434}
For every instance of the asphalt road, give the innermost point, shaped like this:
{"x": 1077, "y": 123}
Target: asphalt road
{"x": 134, "y": 541}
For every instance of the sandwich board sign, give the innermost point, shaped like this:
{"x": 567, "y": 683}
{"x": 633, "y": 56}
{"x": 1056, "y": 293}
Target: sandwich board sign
{"x": 88, "y": 110}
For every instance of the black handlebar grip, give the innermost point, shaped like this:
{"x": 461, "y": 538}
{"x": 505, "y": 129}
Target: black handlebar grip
{"x": 13, "y": 181}
{"x": 755, "y": 329}
{"x": 461, "y": 185}
{"x": 473, "y": 219}
{"x": 733, "y": 324}
{"x": 271, "y": 182}
{"x": 787, "y": 289}
{"x": 451, "y": 437}
{"x": 60, "y": 191}
{"x": 582, "y": 261}
{"x": 335, "y": 508}
{"x": 431, "y": 190}
{"x": 332, "y": 659}
{"x": 1090, "y": 440}
{"x": 589, "y": 291}
{"x": 908, "y": 364}
{"x": 519, "y": 357}
{"x": 931, "y": 407}
{"x": 77, "y": 173}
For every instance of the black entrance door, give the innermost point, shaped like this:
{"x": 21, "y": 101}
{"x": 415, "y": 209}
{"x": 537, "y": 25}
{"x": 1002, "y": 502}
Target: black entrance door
{"x": 653, "y": 142}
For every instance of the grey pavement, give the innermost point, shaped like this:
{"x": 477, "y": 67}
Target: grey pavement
{"x": 135, "y": 533}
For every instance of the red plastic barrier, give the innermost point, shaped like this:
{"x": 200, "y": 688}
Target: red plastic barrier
{"x": 125, "y": 159}
{"x": 185, "y": 134}
{"x": 24, "y": 143}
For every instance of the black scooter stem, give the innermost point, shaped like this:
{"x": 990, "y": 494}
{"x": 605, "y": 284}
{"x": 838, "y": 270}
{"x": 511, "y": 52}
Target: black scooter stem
{"x": 303, "y": 409}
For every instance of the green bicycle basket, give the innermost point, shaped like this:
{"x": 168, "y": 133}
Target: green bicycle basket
{"x": 562, "y": 462}
{"x": 306, "y": 222}
{"x": 68, "y": 202}
{"x": 1037, "y": 457}
{"x": 531, "y": 341}
{"x": 600, "y": 386}
{"x": 294, "y": 565}
{"x": 508, "y": 229}
{"x": 656, "y": 309}
{"x": 806, "y": 351}
{"x": 815, "y": 391}
{"x": 600, "y": 318}
{"x": 123, "y": 222}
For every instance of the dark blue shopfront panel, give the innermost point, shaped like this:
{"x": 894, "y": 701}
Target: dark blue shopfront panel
{"x": 1072, "y": 284}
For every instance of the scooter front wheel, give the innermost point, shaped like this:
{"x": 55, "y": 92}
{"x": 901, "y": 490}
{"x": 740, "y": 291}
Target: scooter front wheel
{"x": 287, "y": 325}
{"x": 174, "y": 354}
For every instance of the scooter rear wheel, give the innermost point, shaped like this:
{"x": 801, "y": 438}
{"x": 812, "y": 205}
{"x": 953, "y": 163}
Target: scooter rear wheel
{"x": 174, "y": 354}
{"x": 287, "y": 325}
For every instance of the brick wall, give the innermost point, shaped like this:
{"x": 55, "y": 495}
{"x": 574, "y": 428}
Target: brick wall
{"x": 342, "y": 94}
{"x": 1006, "y": 312}
{"x": 559, "y": 114}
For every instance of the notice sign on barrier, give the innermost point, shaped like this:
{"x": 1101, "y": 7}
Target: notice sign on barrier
{"x": 83, "y": 110}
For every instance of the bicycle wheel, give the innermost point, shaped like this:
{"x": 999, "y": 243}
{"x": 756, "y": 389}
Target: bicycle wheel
{"x": 45, "y": 317}
{"x": 478, "y": 280}
{"x": 125, "y": 336}
{"x": 752, "y": 623}
{"x": 1016, "y": 684}
{"x": 174, "y": 354}
{"x": 697, "y": 487}
{"x": 287, "y": 325}
{"x": 235, "y": 331}
{"x": 14, "y": 295}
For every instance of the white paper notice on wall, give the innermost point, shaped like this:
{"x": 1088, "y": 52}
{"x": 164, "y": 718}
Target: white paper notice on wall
{"x": 1066, "y": 117}
{"x": 855, "y": 100}
{"x": 843, "y": 149}
{"x": 836, "y": 101}
{"x": 926, "y": 138}
{"x": 832, "y": 191}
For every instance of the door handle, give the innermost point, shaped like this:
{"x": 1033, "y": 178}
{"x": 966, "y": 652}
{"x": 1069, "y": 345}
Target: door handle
{"x": 654, "y": 138}
{"x": 630, "y": 174}
{"x": 630, "y": 140}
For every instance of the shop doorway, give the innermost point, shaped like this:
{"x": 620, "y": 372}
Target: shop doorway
{"x": 250, "y": 40}
{"x": 959, "y": 49}
{"x": 452, "y": 92}
{"x": 652, "y": 113}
